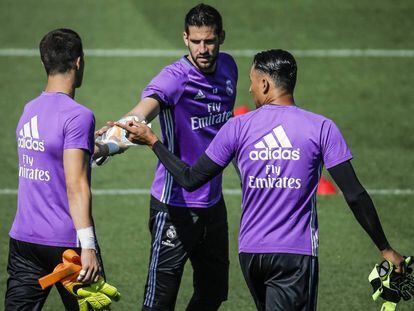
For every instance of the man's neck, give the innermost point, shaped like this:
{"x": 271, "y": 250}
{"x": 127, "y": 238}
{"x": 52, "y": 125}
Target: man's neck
{"x": 281, "y": 99}
{"x": 209, "y": 71}
{"x": 61, "y": 83}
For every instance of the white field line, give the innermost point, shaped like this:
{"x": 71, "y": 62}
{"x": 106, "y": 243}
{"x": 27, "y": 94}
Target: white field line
{"x": 335, "y": 53}
{"x": 230, "y": 192}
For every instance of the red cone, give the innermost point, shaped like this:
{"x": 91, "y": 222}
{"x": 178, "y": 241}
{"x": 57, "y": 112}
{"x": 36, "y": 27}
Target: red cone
{"x": 325, "y": 187}
{"x": 241, "y": 110}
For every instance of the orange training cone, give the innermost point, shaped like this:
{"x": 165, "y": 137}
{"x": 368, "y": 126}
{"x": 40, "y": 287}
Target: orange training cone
{"x": 238, "y": 111}
{"x": 325, "y": 187}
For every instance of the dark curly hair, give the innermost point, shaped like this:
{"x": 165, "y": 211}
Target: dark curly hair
{"x": 203, "y": 15}
{"x": 59, "y": 50}
{"x": 280, "y": 65}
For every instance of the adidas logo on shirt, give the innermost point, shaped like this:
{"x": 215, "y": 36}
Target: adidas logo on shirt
{"x": 29, "y": 136}
{"x": 199, "y": 95}
{"x": 275, "y": 146}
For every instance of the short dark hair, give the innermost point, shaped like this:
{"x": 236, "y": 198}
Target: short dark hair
{"x": 280, "y": 65}
{"x": 59, "y": 50}
{"x": 203, "y": 15}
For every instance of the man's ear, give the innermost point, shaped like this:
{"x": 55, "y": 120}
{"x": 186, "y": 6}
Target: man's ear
{"x": 185, "y": 38}
{"x": 222, "y": 36}
{"x": 265, "y": 85}
{"x": 78, "y": 63}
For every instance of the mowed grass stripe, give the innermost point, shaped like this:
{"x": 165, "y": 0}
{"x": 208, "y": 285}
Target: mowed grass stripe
{"x": 334, "y": 53}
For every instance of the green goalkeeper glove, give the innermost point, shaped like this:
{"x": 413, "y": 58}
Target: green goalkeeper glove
{"x": 392, "y": 286}
{"x": 95, "y": 296}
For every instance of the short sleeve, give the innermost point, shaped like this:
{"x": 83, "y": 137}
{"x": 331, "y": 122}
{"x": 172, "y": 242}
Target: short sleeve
{"x": 334, "y": 147}
{"x": 79, "y": 131}
{"x": 223, "y": 147}
{"x": 168, "y": 85}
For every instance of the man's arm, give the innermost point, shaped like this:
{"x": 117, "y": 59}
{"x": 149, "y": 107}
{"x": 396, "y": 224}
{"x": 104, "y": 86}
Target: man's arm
{"x": 147, "y": 109}
{"x": 363, "y": 208}
{"x": 189, "y": 177}
{"x": 76, "y": 166}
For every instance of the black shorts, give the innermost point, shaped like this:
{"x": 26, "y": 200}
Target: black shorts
{"x": 281, "y": 282}
{"x": 178, "y": 234}
{"x": 27, "y": 263}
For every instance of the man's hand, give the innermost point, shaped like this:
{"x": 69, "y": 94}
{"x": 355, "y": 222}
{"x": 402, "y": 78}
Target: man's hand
{"x": 395, "y": 258}
{"x": 103, "y": 129}
{"x": 138, "y": 115}
{"x": 91, "y": 268}
{"x": 97, "y": 296}
{"x": 139, "y": 133}
{"x": 390, "y": 285}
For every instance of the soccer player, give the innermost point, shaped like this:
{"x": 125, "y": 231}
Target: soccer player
{"x": 280, "y": 149}
{"x": 55, "y": 137}
{"x": 194, "y": 98}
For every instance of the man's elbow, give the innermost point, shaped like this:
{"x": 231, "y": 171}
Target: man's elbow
{"x": 77, "y": 187}
{"x": 354, "y": 199}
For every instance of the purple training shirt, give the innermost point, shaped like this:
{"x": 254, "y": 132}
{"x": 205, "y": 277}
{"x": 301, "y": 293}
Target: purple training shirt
{"x": 194, "y": 107}
{"x": 49, "y": 124}
{"x": 280, "y": 151}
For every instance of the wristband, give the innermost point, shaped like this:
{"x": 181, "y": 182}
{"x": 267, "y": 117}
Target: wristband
{"x": 113, "y": 147}
{"x": 86, "y": 237}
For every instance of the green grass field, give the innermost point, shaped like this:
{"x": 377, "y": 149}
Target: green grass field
{"x": 370, "y": 98}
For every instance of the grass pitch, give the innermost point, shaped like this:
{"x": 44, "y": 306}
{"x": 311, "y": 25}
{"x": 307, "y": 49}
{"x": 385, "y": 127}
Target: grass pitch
{"x": 371, "y": 99}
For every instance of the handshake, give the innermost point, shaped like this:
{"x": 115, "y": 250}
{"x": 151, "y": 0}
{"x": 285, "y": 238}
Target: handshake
{"x": 118, "y": 136}
{"x": 95, "y": 296}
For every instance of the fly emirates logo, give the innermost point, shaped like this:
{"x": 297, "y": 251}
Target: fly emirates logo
{"x": 275, "y": 146}
{"x": 215, "y": 116}
{"x": 29, "y": 137}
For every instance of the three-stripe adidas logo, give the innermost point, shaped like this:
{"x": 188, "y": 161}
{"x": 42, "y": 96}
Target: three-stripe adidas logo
{"x": 270, "y": 139}
{"x": 199, "y": 95}
{"x": 275, "y": 145}
{"x": 29, "y": 136}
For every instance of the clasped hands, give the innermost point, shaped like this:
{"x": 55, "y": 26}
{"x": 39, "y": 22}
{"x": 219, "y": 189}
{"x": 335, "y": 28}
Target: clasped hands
{"x": 137, "y": 133}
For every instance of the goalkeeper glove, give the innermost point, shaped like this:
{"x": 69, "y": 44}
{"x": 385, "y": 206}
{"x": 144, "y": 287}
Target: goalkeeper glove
{"x": 115, "y": 138}
{"x": 390, "y": 285}
{"x": 95, "y": 296}
{"x": 118, "y": 135}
